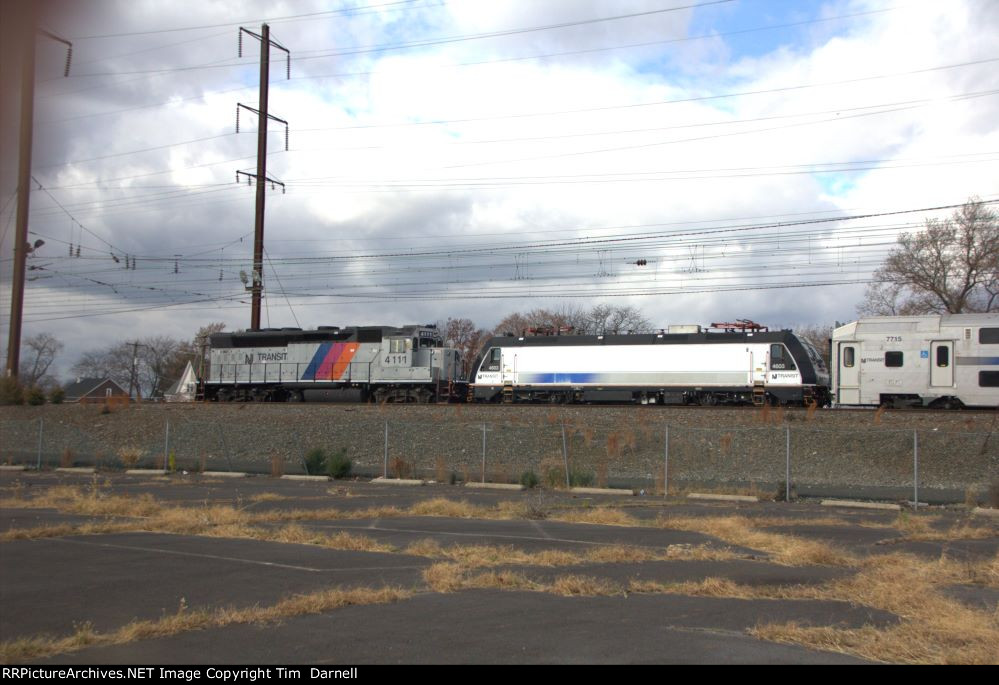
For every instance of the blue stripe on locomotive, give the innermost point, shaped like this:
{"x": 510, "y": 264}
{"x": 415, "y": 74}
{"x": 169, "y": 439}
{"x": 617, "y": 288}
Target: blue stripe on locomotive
{"x": 317, "y": 361}
{"x": 559, "y": 378}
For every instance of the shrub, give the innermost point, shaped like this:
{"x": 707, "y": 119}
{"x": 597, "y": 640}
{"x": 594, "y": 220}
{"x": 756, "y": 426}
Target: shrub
{"x": 553, "y": 473}
{"x": 35, "y": 396}
{"x": 993, "y": 494}
{"x": 10, "y": 391}
{"x": 580, "y": 479}
{"x": 129, "y": 456}
{"x": 529, "y": 479}
{"x": 401, "y": 468}
{"x": 315, "y": 461}
{"x": 57, "y": 396}
{"x": 339, "y": 464}
{"x": 782, "y": 491}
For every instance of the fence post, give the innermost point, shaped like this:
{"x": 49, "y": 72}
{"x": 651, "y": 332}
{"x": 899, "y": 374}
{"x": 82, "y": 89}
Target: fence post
{"x": 666, "y": 466}
{"x": 166, "y": 449}
{"x": 483, "y": 453}
{"x": 385, "y": 465}
{"x": 565, "y": 457}
{"x": 41, "y": 422}
{"x": 915, "y": 469}
{"x": 225, "y": 450}
{"x": 787, "y": 470}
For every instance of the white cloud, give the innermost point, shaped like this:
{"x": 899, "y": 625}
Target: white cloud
{"x": 529, "y": 150}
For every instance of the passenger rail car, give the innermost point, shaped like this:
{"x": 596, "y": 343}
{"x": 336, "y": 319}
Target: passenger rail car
{"x": 748, "y": 367}
{"x": 943, "y": 361}
{"x": 379, "y": 363}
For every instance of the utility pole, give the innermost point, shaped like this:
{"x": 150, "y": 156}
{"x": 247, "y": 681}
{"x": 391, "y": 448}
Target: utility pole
{"x": 257, "y": 277}
{"x": 21, "y": 246}
{"x": 132, "y": 379}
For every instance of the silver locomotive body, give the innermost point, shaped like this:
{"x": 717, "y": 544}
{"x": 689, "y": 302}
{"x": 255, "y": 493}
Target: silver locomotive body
{"x": 379, "y": 363}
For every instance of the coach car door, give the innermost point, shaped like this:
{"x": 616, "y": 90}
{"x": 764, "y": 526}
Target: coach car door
{"x": 942, "y": 363}
{"x": 848, "y": 373}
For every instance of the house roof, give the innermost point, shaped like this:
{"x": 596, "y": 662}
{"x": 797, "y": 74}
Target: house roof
{"x": 174, "y": 388}
{"x": 83, "y": 386}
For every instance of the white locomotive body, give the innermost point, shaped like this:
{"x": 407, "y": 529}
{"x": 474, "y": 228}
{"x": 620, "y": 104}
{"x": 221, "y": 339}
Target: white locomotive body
{"x": 948, "y": 360}
{"x": 663, "y": 368}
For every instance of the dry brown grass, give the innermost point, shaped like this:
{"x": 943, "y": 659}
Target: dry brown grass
{"x": 65, "y": 530}
{"x": 451, "y": 577}
{"x": 440, "y": 506}
{"x": 933, "y": 628}
{"x": 295, "y": 534}
{"x": 267, "y": 497}
{"x": 583, "y": 586}
{"x": 92, "y": 501}
{"x": 783, "y": 549}
{"x": 715, "y": 587}
{"x": 485, "y": 556}
{"x": 921, "y": 528}
{"x": 598, "y": 515}
{"x": 186, "y": 620}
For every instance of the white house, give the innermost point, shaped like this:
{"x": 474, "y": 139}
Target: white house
{"x": 185, "y": 389}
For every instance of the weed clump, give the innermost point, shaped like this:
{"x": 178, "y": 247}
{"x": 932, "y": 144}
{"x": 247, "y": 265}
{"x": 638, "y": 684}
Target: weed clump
{"x": 580, "y": 479}
{"x": 339, "y": 465}
{"x": 529, "y": 479}
{"x": 315, "y": 461}
{"x": 993, "y": 494}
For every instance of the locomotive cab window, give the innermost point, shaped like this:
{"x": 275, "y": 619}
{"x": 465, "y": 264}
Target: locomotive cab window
{"x": 893, "y": 359}
{"x": 493, "y": 361}
{"x": 397, "y": 345}
{"x": 780, "y": 359}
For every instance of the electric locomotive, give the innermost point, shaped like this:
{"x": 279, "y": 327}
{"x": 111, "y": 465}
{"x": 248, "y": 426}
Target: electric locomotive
{"x": 743, "y": 363}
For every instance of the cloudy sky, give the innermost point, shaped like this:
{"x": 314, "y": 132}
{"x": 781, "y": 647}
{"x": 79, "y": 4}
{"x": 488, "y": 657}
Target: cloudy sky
{"x": 478, "y": 157}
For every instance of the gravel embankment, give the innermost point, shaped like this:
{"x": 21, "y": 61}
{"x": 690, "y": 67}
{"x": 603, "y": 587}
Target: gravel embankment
{"x": 956, "y": 450}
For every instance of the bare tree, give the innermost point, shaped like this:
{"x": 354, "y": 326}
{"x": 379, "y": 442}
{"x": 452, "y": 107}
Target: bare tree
{"x": 819, "y": 336}
{"x": 601, "y": 319}
{"x": 114, "y": 362}
{"x": 952, "y": 266}
{"x": 605, "y": 319}
{"x": 153, "y": 363}
{"x": 42, "y": 350}
{"x": 462, "y": 335}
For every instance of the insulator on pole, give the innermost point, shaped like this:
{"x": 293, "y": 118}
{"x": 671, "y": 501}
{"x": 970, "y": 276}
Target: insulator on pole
{"x": 69, "y": 59}
{"x": 289, "y": 66}
{"x": 286, "y": 138}
{"x": 237, "y": 118}
{"x": 240, "y": 52}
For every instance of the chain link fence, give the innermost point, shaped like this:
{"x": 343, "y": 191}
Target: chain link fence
{"x": 766, "y": 460}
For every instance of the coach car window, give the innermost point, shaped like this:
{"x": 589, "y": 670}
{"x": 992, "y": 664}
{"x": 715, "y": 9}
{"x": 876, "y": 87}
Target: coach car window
{"x": 988, "y": 379}
{"x": 848, "y": 357}
{"x": 893, "y": 359}
{"x": 943, "y": 356}
{"x": 397, "y": 345}
{"x": 988, "y": 336}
